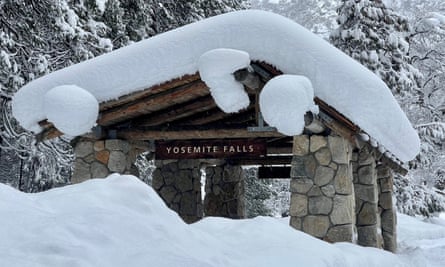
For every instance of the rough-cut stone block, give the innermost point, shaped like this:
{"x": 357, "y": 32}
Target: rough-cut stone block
{"x": 339, "y": 149}
{"x": 157, "y": 181}
{"x": 385, "y": 200}
{"x": 386, "y": 185}
{"x": 367, "y": 236}
{"x": 317, "y": 142}
{"x": 117, "y": 161}
{"x": 102, "y": 156}
{"x": 315, "y": 191}
{"x": 320, "y": 205}
{"x": 367, "y": 215}
{"x": 310, "y": 165}
{"x": 388, "y": 221}
{"x": 81, "y": 171}
{"x": 367, "y": 193}
{"x": 169, "y": 177}
{"x": 383, "y": 172}
{"x": 316, "y": 225}
{"x": 301, "y": 185}
{"x": 341, "y": 233}
{"x": 298, "y": 205}
{"x": 117, "y": 145}
{"x": 343, "y": 180}
{"x": 301, "y": 145}
{"x": 99, "y": 145}
{"x": 184, "y": 181}
{"x": 367, "y": 174}
{"x": 328, "y": 190}
{"x": 188, "y": 204}
{"x": 99, "y": 170}
{"x": 389, "y": 242}
{"x": 83, "y": 149}
{"x": 89, "y": 159}
{"x": 323, "y": 175}
{"x": 168, "y": 193}
{"x": 296, "y": 222}
{"x": 323, "y": 156}
{"x": 365, "y": 157}
{"x": 298, "y": 168}
{"x": 342, "y": 210}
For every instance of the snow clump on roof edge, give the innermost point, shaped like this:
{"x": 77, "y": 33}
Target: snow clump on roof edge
{"x": 336, "y": 78}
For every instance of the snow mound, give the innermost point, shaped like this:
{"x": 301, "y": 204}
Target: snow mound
{"x": 284, "y": 100}
{"x": 337, "y": 79}
{"x": 216, "y": 68}
{"x": 71, "y": 109}
{"x": 120, "y": 221}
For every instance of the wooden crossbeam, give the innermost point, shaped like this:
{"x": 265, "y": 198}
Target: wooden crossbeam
{"x": 192, "y": 134}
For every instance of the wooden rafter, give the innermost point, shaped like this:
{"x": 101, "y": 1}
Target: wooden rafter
{"x": 153, "y": 103}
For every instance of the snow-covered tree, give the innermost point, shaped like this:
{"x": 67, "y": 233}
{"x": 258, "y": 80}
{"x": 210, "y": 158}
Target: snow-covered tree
{"x": 381, "y": 39}
{"x": 38, "y": 37}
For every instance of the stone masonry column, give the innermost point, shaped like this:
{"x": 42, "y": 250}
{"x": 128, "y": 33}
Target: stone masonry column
{"x": 366, "y": 199}
{"x": 388, "y": 214}
{"x": 100, "y": 158}
{"x": 178, "y": 182}
{"x": 225, "y": 192}
{"x": 322, "y": 195}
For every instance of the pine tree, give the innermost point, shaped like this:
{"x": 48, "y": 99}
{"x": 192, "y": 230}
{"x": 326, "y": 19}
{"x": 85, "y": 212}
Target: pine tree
{"x": 379, "y": 38}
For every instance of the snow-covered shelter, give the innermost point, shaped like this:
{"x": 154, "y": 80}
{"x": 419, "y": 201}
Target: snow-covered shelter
{"x": 243, "y": 88}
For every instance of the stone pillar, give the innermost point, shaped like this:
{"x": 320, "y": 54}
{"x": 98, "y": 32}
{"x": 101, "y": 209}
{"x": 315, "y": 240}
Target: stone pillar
{"x": 322, "y": 195}
{"x": 388, "y": 214}
{"x": 178, "y": 182}
{"x": 366, "y": 199}
{"x": 98, "y": 159}
{"x": 225, "y": 192}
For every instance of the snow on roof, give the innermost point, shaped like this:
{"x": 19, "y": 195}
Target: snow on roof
{"x": 336, "y": 78}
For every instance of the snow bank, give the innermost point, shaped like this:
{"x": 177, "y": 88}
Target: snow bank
{"x": 216, "y": 68}
{"x": 71, "y": 109}
{"x": 284, "y": 100}
{"x": 119, "y": 221}
{"x": 336, "y": 78}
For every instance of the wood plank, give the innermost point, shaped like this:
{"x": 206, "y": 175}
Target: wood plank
{"x": 150, "y": 91}
{"x": 178, "y": 112}
{"x": 210, "y": 149}
{"x": 192, "y": 134}
{"x": 154, "y": 103}
{"x": 336, "y": 115}
{"x": 273, "y": 172}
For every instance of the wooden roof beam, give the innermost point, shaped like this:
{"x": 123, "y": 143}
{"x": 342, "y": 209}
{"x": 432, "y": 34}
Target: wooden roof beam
{"x": 154, "y": 103}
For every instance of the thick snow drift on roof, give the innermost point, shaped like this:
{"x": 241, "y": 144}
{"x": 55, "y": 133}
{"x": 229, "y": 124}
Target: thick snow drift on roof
{"x": 216, "y": 68}
{"x": 336, "y": 78}
{"x": 71, "y": 109}
{"x": 284, "y": 100}
{"x": 120, "y": 221}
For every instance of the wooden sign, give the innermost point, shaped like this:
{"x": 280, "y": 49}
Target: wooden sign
{"x": 201, "y": 149}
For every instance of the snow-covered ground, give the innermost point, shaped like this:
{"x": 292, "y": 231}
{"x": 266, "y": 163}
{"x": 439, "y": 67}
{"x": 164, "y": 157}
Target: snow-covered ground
{"x": 120, "y": 221}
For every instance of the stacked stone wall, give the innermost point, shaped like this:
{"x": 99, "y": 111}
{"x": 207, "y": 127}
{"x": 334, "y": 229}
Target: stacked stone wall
{"x": 322, "y": 195}
{"x": 178, "y": 182}
{"x": 387, "y": 211}
{"x": 225, "y": 192}
{"x": 366, "y": 197}
{"x": 98, "y": 159}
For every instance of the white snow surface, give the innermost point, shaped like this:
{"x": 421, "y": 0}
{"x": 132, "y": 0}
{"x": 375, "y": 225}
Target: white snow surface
{"x": 120, "y": 221}
{"x": 336, "y": 78}
{"x": 216, "y": 68}
{"x": 284, "y": 100}
{"x": 71, "y": 109}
